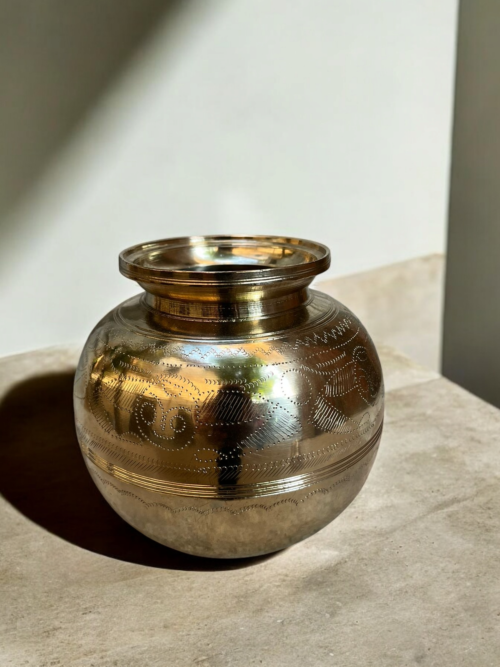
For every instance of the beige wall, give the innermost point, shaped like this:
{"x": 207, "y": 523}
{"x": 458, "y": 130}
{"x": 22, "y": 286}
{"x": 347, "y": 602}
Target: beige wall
{"x": 127, "y": 121}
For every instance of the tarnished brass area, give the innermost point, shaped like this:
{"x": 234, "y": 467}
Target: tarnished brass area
{"x": 229, "y": 410}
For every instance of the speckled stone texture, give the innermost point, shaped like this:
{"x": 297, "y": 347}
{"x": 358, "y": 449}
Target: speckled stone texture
{"x": 406, "y": 576}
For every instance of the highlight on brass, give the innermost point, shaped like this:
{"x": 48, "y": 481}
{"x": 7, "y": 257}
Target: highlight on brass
{"x": 229, "y": 410}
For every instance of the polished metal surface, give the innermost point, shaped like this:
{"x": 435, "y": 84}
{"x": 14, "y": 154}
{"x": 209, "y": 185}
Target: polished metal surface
{"x": 229, "y": 410}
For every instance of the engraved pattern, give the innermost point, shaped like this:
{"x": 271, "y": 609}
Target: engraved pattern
{"x": 230, "y": 492}
{"x": 225, "y": 508}
{"x": 225, "y": 414}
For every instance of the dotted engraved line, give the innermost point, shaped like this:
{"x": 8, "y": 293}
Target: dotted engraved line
{"x": 165, "y": 383}
{"x": 303, "y": 375}
{"x": 280, "y": 350}
{"x": 176, "y": 431}
{"x": 140, "y": 461}
{"x": 269, "y": 467}
{"x": 246, "y": 449}
{"x": 357, "y": 353}
{"x": 319, "y": 370}
{"x": 261, "y": 488}
{"x": 272, "y": 407}
{"x": 343, "y": 377}
{"x": 183, "y": 389}
{"x": 238, "y": 381}
{"x": 333, "y": 333}
{"x": 158, "y": 379}
{"x": 216, "y": 510}
{"x": 269, "y": 365}
{"x": 247, "y": 412}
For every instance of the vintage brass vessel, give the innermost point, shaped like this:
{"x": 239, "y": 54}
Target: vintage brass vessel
{"x": 229, "y": 410}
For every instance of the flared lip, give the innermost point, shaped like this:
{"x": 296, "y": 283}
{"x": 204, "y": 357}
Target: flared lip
{"x": 203, "y": 259}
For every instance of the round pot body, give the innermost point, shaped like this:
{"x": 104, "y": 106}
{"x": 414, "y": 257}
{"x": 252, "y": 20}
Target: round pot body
{"x": 229, "y": 410}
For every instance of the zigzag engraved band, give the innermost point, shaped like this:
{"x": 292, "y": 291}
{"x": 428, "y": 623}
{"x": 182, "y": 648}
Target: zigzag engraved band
{"x": 234, "y": 491}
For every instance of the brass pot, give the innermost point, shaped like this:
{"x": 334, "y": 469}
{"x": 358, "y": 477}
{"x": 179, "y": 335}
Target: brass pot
{"x": 229, "y": 410}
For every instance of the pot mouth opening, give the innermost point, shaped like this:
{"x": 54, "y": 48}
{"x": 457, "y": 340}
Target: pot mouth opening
{"x": 224, "y": 259}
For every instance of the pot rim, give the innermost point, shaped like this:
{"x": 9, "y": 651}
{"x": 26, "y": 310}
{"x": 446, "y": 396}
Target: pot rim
{"x": 201, "y": 259}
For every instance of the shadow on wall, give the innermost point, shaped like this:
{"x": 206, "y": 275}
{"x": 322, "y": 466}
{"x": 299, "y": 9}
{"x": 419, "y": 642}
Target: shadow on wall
{"x": 42, "y": 474}
{"x": 56, "y": 59}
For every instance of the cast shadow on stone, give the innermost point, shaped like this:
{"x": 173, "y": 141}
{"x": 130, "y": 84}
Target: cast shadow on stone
{"x": 43, "y": 475}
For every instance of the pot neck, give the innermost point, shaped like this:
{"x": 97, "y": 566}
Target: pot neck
{"x": 213, "y": 303}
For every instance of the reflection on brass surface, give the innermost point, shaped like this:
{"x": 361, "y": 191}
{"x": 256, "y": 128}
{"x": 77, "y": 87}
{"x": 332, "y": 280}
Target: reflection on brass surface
{"x": 229, "y": 410}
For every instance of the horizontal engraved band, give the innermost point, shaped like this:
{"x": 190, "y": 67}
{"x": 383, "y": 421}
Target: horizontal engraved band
{"x": 250, "y": 309}
{"x": 233, "y": 491}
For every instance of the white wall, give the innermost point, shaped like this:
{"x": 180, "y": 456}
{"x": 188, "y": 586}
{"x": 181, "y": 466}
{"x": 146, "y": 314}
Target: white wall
{"x": 327, "y": 119}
